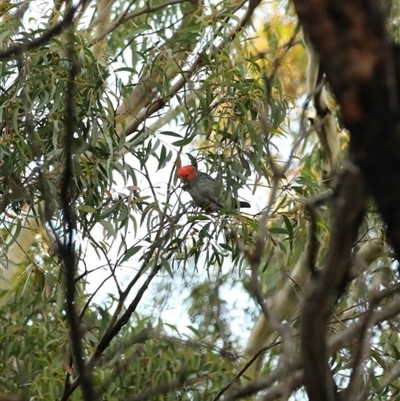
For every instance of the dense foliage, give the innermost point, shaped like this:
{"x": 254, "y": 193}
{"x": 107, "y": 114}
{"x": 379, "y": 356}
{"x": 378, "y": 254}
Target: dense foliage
{"x": 98, "y": 104}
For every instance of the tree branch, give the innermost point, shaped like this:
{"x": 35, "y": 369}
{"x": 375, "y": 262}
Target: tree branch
{"x": 362, "y": 66}
{"x": 328, "y": 285}
{"x": 56, "y": 30}
{"x": 66, "y": 243}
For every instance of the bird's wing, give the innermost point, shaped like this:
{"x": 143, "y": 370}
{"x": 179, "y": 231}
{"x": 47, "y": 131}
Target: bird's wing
{"x": 213, "y": 190}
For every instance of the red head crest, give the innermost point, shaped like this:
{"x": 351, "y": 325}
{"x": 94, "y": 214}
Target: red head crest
{"x": 187, "y": 173}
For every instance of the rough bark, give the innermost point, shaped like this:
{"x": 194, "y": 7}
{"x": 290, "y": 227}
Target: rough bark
{"x": 361, "y": 64}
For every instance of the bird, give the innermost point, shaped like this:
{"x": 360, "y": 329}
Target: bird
{"x": 207, "y": 193}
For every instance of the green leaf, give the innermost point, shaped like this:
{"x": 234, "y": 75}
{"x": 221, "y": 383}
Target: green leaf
{"x": 86, "y": 208}
{"x": 278, "y": 230}
{"x": 108, "y": 226}
{"x": 183, "y": 142}
{"x": 130, "y": 252}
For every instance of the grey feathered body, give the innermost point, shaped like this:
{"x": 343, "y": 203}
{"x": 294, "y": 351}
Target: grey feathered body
{"x": 206, "y": 192}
